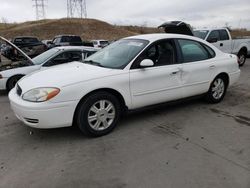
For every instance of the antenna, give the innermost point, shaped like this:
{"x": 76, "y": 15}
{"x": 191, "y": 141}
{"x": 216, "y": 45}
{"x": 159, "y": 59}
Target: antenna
{"x": 76, "y": 9}
{"x": 40, "y": 9}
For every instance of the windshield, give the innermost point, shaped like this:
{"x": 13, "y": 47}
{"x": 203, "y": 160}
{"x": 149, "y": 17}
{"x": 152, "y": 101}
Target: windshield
{"x": 45, "y": 56}
{"x": 201, "y": 33}
{"x": 118, "y": 54}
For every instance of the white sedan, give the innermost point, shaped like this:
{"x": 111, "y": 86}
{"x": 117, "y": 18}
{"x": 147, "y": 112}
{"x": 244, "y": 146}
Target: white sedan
{"x": 11, "y": 72}
{"x": 131, "y": 73}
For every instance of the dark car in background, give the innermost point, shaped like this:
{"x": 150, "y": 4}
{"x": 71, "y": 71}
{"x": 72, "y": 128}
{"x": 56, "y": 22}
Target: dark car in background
{"x": 66, "y": 40}
{"x": 29, "y": 45}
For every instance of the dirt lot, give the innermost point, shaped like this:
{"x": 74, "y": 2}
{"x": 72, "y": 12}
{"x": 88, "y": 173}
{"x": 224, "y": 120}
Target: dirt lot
{"x": 190, "y": 144}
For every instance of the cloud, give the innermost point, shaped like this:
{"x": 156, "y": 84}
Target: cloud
{"x": 140, "y": 12}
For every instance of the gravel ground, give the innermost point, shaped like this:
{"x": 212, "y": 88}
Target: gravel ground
{"x": 190, "y": 144}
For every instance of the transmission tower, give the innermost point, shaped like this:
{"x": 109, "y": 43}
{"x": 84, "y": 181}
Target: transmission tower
{"x": 40, "y": 9}
{"x": 76, "y": 9}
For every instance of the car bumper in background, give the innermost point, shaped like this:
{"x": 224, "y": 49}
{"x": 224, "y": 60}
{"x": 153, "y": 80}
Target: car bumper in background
{"x": 3, "y": 82}
{"x": 42, "y": 115}
{"x": 234, "y": 77}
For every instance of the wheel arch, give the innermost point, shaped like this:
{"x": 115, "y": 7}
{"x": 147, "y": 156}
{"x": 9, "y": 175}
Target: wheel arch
{"x": 225, "y": 76}
{"x": 7, "y": 82}
{"x": 109, "y": 90}
{"x": 243, "y": 49}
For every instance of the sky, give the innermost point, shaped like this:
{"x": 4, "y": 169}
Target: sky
{"x": 198, "y": 13}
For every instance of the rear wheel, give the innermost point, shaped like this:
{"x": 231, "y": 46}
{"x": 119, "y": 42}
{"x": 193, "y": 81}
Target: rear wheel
{"x": 98, "y": 114}
{"x": 242, "y": 57}
{"x": 217, "y": 90}
{"x": 12, "y": 82}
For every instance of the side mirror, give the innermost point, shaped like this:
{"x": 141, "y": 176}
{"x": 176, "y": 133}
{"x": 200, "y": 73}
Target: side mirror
{"x": 212, "y": 40}
{"x": 146, "y": 63}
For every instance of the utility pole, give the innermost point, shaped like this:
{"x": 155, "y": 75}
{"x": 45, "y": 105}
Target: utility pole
{"x": 76, "y": 9}
{"x": 40, "y": 9}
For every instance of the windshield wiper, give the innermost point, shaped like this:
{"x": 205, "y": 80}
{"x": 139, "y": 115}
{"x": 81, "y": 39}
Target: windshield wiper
{"x": 91, "y": 62}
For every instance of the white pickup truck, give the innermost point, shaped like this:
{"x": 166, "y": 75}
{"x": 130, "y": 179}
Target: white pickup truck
{"x": 221, "y": 38}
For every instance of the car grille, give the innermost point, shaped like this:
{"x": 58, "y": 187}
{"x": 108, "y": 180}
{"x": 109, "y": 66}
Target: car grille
{"x": 18, "y": 90}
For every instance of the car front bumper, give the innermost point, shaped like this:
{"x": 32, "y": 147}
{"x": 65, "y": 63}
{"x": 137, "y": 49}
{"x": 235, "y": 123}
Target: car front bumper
{"x": 43, "y": 115}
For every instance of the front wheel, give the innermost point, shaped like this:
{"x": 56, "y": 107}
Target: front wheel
{"x": 98, "y": 114}
{"x": 242, "y": 58}
{"x": 217, "y": 90}
{"x": 12, "y": 82}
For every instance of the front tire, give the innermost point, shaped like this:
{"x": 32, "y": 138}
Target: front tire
{"x": 242, "y": 58}
{"x": 217, "y": 90}
{"x": 98, "y": 114}
{"x": 12, "y": 82}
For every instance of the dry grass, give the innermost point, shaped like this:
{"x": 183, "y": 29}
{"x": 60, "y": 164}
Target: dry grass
{"x": 46, "y": 29}
{"x": 88, "y": 29}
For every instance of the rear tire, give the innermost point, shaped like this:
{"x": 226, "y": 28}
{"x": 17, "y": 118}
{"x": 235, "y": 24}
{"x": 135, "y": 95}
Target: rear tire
{"x": 242, "y": 57}
{"x": 98, "y": 114}
{"x": 217, "y": 90}
{"x": 12, "y": 82}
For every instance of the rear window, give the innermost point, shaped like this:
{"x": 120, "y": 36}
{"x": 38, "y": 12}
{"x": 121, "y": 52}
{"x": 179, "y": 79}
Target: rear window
{"x": 201, "y": 33}
{"x": 71, "y": 39}
{"x": 104, "y": 42}
{"x": 26, "y": 40}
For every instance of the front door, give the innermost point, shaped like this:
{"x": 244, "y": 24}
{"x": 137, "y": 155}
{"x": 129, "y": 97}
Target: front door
{"x": 159, "y": 83}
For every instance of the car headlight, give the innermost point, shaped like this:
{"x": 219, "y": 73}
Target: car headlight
{"x": 40, "y": 94}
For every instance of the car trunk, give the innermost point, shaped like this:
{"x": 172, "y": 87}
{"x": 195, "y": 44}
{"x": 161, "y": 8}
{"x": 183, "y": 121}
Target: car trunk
{"x": 177, "y": 27}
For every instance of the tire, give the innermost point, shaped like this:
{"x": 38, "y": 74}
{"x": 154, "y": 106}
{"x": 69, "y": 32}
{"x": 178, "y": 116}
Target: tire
{"x": 242, "y": 57}
{"x": 12, "y": 82}
{"x": 217, "y": 90}
{"x": 98, "y": 114}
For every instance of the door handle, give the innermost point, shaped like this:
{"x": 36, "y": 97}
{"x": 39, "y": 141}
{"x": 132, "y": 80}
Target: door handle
{"x": 175, "y": 72}
{"x": 221, "y": 44}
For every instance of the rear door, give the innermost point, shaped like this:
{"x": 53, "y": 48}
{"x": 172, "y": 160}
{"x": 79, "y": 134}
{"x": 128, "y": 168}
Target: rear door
{"x": 159, "y": 83}
{"x": 197, "y": 68}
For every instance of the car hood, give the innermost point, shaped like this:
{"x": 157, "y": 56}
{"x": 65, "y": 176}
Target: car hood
{"x": 63, "y": 75}
{"x": 15, "y": 47}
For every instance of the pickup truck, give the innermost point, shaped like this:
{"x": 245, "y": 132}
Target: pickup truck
{"x": 221, "y": 38}
{"x": 66, "y": 40}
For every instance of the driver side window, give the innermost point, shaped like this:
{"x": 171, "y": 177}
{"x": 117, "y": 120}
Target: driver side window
{"x": 161, "y": 53}
{"x": 214, "y": 35}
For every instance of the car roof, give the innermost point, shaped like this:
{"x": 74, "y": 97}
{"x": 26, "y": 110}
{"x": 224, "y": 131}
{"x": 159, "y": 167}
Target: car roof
{"x": 209, "y": 29}
{"x": 159, "y": 36}
{"x": 77, "y": 48}
{"x": 66, "y": 36}
{"x": 20, "y": 37}
{"x": 100, "y": 40}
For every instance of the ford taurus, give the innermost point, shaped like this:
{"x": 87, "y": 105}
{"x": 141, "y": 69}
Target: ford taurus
{"x": 131, "y": 73}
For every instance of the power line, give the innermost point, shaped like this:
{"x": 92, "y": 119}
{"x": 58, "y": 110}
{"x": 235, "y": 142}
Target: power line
{"x": 76, "y": 9}
{"x": 40, "y": 9}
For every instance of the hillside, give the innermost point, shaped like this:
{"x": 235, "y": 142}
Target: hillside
{"x": 87, "y": 28}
